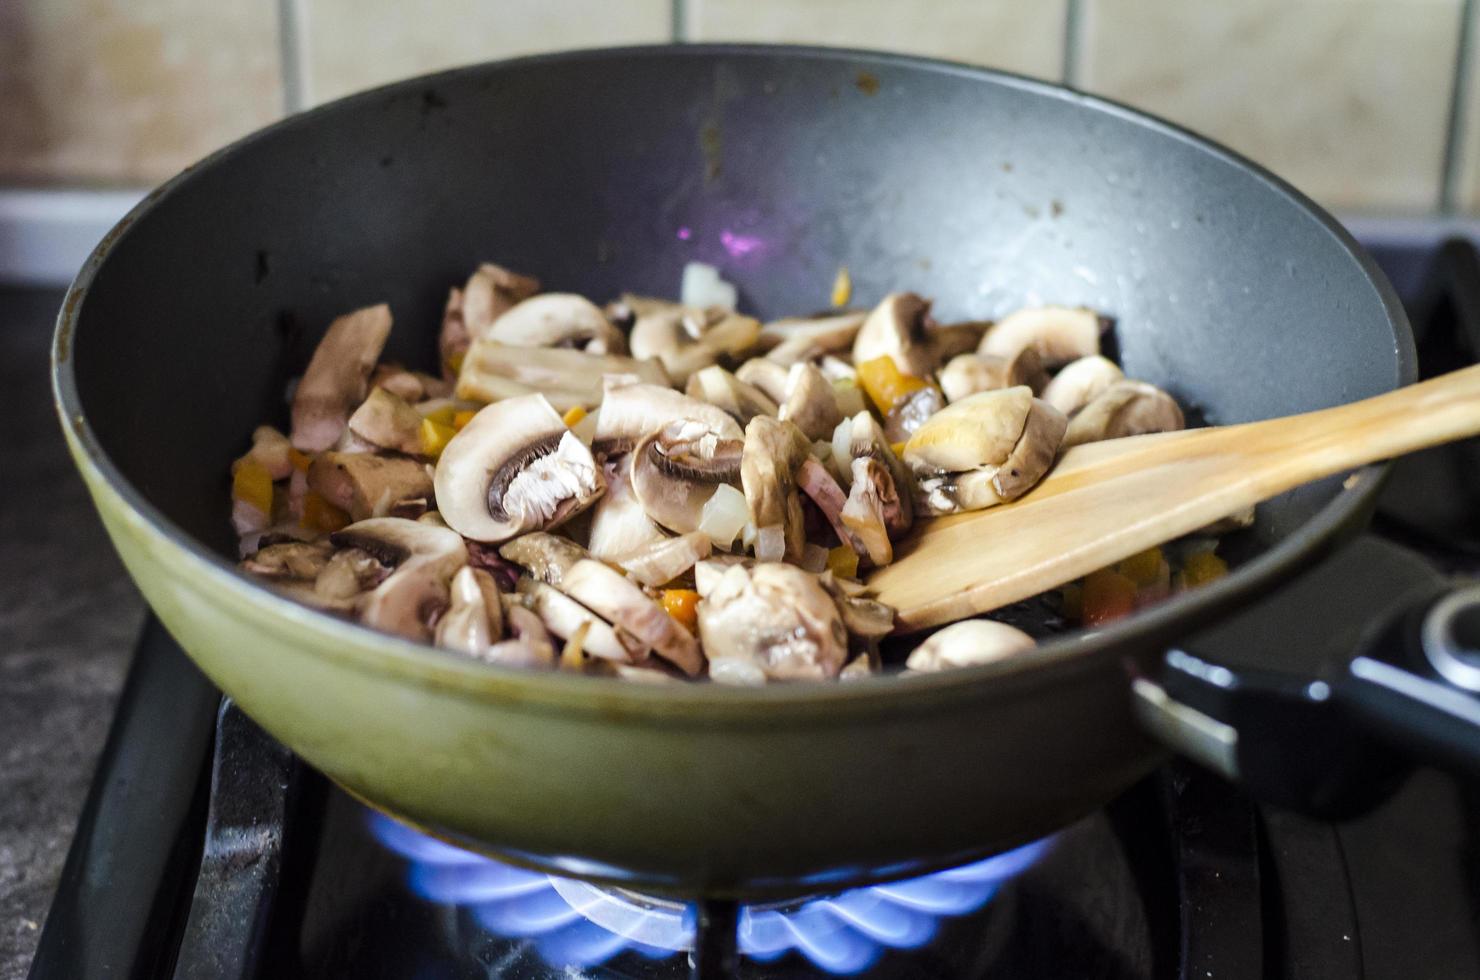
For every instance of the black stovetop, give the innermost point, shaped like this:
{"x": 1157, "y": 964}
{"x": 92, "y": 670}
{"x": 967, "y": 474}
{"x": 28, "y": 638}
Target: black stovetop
{"x": 207, "y": 851}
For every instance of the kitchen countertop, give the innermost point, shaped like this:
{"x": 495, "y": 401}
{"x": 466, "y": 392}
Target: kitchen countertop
{"x": 68, "y": 619}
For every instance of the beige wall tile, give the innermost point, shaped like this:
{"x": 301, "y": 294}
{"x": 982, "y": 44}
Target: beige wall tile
{"x": 130, "y": 91}
{"x": 1017, "y": 35}
{"x": 1346, "y": 99}
{"x": 355, "y": 44}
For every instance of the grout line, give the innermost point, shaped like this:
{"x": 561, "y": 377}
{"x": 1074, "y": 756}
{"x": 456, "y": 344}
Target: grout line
{"x": 293, "y": 54}
{"x": 680, "y": 22}
{"x": 1073, "y": 41}
{"x": 1451, "y": 177}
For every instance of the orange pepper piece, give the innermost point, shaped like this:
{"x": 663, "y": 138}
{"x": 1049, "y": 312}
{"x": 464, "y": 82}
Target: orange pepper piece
{"x": 573, "y": 416}
{"x": 320, "y": 515}
{"x": 885, "y": 384}
{"x": 460, "y": 419}
{"x": 1107, "y": 596}
{"x": 434, "y": 437}
{"x": 251, "y": 484}
{"x": 682, "y": 605}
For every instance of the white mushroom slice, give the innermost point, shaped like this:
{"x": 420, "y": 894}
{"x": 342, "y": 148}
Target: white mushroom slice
{"x": 619, "y": 525}
{"x": 366, "y": 485}
{"x": 349, "y": 574}
{"x": 792, "y": 339}
{"x": 720, "y": 388}
{"x": 773, "y": 452}
{"x": 405, "y": 385}
{"x": 618, "y": 600}
{"x": 563, "y": 616}
{"x": 872, "y": 494}
{"x": 1081, "y": 382}
{"x": 545, "y": 556}
{"x": 337, "y": 376}
{"x": 765, "y": 375}
{"x": 568, "y": 378}
{"x": 489, "y": 293}
{"x": 776, "y": 617}
{"x": 817, "y": 483}
{"x": 530, "y": 646}
{"x": 686, "y": 339}
{"x": 906, "y": 416}
{"x": 659, "y": 563}
{"x": 1126, "y": 408}
{"x": 630, "y": 412}
{"x": 514, "y": 468}
{"x": 387, "y": 421}
{"x": 810, "y": 403}
{"x": 271, "y": 450}
{"x": 677, "y": 469}
{"x": 302, "y": 560}
{"x": 474, "y": 619}
{"x": 967, "y": 374}
{"x": 423, "y": 558}
{"x": 866, "y": 440}
{"x": 559, "y": 320}
{"x": 969, "y": 643}
{"x": 956, "y": 338}
{"x": 983, "y": 450}
{"x": 897, "y": 328}
{"x": 1060, "y": 334}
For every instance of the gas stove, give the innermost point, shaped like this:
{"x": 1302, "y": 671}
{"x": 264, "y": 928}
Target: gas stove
{"x": 206, "y": 850}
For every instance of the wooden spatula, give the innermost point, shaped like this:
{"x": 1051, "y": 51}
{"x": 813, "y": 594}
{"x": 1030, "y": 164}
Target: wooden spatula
{"x": 1106, "y": 501}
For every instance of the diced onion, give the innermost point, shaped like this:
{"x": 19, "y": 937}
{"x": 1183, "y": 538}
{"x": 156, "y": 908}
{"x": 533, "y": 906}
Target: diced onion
{"x": 724, "y": 515}
{"x": 770, "y": 543}
{"x": 842, "y": 439}
{"x": 703, "y": 287}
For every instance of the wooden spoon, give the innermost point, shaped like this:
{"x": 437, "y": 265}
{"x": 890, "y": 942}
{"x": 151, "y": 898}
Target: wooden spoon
{"x": 1108, "y": 500}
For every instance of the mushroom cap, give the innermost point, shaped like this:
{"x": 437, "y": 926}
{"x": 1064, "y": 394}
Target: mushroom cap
{"x": 975, "y": 432}
{"x": 766, "y": 376}
{"x": 675, "y": 471}
{"x": 559, "y": 320}
{"x": 617, "y": 599}
{"x": 718, "y": 387}
{"x": 489, "y": 292}
{"x": 866, "y": 439}
{"x": 632, "y": 411}
{"x": 1081, "y": 382}
{"x": 388, "y": 421}
{"x": 1126, "y": 408}
{"x": 685, "y": 338}
{"x": 514, "y": 468}
{"x": 969, "y": 643}
{"x": 810, "y": 402}
{"x": 768, "y": 464}
{"x": 423, "y": 559}
{"x": 871, "y": 496}
{"x": 897, "y": 327}
{"x": 1059, "y": 333}
{"x": 778, "y": 618}
{"x": 337, "y": 375}
{"x": 967, "y": 374}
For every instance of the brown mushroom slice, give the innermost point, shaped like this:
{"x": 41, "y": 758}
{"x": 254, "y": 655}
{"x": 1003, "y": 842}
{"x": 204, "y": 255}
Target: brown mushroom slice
{"x": 490, "y": 292}
{"x": 529, "y": 647}
{"x": 349, "y": 574}
{"x": 766, "y": 376}
{"x": 792, "y": 339}
{"x": 559, "y": 320}
{"x": 1060, "y": 334}
{"x": 810, "y": 403}
{"x": 686, "y": 339}
{"x": 423, "y": 560}
{"x": 969, "y": 643}
{"x": 302, "y": 560}
{"x": 545, "y": 556}
{"x": 661, "y": 562}
{"x": 272, "y": 451}
{"x": 1126, "y": 408}
{"x": 387, "y": 421}
{"x": 967, "y": 374}
{"x": 718, "y": 387}
{"x": 871, "y": 495}
{"x": 405, "y": 385}
{"x": 563, "y": 616}
{"x": 619, "y": 525}
{"x": 898, "y": 327}
{"x": 615, "y": 598}
{"x": 474, "y": 619}
{"x": 956, "y": 338}
{"x": 366, "y": 485}
{"x": 631, "y": 411}
{"x": 514, "y": 467}
{"x": 984, "y": 450}
{"x": 864, "y": 439}
{"x": 493, "y": 371}
{"x": 773, "y": 451}
{"x": 337, "y": 376}
{"x": 910, "y": 412}
{"x": 776, "y": 617}
{"x": 678, "y": 468}
{"x": 1081, "y": 382}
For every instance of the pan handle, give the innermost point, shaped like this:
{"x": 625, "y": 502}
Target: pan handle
{"x": 1335, "y": 736}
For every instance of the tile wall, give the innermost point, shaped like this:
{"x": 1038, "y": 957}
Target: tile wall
{"x": 1369, "y": 105}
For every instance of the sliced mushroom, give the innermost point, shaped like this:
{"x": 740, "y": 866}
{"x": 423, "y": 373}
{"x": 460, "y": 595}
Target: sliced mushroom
{"x": 872, "y": 495}
{"x": 860, "y": 437}
{"x": 632, "y": 411}
{"x": 474, "y": 619}
{"x": 337, "y": 376}
{"x": 766, "y": 376}
{"x": 663, "y": 561}
{"x": 810, "y": 403}
{"x": 349, "y": 574}
{"x": 1081, "y": 382}
{"x": 272, "y": 451}
{"x": 773, "y": 452}
{"x": 387, "y": 421}
{"x": 678, "y": 468}
{"x": 563, "y": 616}
{"x": 453, "y": 339}
{"x": 366, "y": 485}
{"x": 405, "y": 385}
{"x": 966, "y": 374}
{"x": 1126, "y": 408}
{"x": 490, "y": 292}
{"x": 615, "y": 598}
{"x": 969, "y": 643}
{"x": 956, "y": 338}
{"x": 983, "y": 450}
{"x": 686, "y": 339}
{"x": 546, "y": 556}
{"x": 718, "y": 387}
{"x": 619, "y": 525}
{"x": 514, "y": 468}
{"x": 898, "y": 327}
{"x": 529, "y": 645}
{"x": 909, "y": 413}
{"x": 559, "y": 320}
{"x": 776, "y": 617}
{"x": 792, "y": 339}
{"x": 818, "y": 484}
{"x": 568, "y": 378}
{"x": 1060, "y": 334}
{"x": 302, "y": 560}
{"x": 423, "y": 560}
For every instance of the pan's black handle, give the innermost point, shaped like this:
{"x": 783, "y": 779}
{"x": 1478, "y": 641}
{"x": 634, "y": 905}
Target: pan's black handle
{"x": 1332, "y": 731}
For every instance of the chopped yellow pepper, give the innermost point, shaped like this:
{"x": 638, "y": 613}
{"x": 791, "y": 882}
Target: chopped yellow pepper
{"x": 460, "y": 419}
{"x": 842, "y": 289}
{"x": 455, "y": 362}
{"x": 1202, "y": 568}
{"x": 898, "y": 447}
{"x": 434, "y": 437}
{"x": 885, "y": 383}
{"x": 572, "y": 656}
{"x": 299, "y": 460}
{"x": 573, "y": 416}
{"x": 682, "y": 605}
{"x": 842, "y": 561}
{"x": 320, "y": 515}
{"x": 1108, "y": 595}
{"x": 1143, "y": 568}
{"x": 251, "y": 484}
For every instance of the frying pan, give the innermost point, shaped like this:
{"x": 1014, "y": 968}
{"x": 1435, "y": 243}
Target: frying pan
{"x": 608, "y": 170}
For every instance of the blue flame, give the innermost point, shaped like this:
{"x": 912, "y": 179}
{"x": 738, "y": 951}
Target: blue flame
{"x": 574, "y": 924}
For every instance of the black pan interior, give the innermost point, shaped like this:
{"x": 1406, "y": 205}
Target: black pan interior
{"x": 606, "y": 171}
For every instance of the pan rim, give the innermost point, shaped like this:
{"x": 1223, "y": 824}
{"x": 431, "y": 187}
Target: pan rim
{"x": 1081, "y": 651}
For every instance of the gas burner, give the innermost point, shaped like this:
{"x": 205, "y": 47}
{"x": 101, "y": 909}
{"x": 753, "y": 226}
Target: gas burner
{"x": 575, "y": 924}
